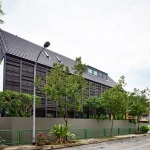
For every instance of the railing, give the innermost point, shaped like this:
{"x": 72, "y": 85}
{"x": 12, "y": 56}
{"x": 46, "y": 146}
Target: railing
{"x": 25, "y": 136}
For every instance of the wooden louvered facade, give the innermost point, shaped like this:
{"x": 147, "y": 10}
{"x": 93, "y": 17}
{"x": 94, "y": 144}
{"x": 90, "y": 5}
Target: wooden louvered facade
{"x": 19, "y": 76}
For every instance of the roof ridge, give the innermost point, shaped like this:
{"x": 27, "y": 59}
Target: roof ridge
{"x": 36, "y": 44}
{"x": 25, "y": 49}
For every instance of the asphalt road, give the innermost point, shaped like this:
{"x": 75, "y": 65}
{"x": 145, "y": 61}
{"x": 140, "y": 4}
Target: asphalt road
{"x": 136, "y": 143}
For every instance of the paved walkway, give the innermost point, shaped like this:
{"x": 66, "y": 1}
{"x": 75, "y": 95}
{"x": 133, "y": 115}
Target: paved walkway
{"x": 138, "y": 143}
{"x": 80, "y": 142}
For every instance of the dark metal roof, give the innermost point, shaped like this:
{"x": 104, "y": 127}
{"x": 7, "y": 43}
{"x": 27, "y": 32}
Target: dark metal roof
{"x": 19, "y": 47}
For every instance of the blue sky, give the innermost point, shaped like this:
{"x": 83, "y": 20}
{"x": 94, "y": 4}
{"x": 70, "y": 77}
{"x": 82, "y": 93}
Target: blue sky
{"x": 110, "y": 35}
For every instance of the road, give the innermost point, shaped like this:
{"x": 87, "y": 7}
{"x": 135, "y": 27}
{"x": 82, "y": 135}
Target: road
{"x": 137, "y": 143}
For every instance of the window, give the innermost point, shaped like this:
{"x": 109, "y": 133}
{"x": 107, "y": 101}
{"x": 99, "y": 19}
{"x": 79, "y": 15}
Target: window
{"x": 46, "y": 54}
{"x": 100, "y": 74}
{"x": 105, "y": 76}
{"x": 90, "y": 70}
{"x": 58, "y": 58}
{"x": 95, "y": 72}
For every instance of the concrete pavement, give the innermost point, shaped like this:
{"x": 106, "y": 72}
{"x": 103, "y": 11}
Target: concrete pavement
{"x": 80, "y": 142}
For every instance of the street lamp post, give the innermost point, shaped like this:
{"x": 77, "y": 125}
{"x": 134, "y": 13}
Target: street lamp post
{"x": 46, "y": 44}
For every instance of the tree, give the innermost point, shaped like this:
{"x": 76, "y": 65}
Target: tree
{"x": 56, "y": 88}
{"x": 17, "y": 104}
{"x": 1, "y": 13}
{"x": 115, "y": 100}
{"x": 77, "y": 85}
{"x": 139, "y": 103}
{"x": 66, "y": 88}
{"x": 94, "y": 105}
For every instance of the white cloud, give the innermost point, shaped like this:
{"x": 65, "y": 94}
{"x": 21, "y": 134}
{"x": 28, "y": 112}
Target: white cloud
{"x": 111, "y": 35}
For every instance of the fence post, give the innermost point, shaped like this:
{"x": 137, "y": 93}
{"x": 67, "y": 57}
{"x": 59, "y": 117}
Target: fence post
{"x": 20, "y": 137}
{"x": 85, "y": 133}
{"x": 129, "y": 130}
{"x": 104, "y": 132}
{"x": 118, "y": 131}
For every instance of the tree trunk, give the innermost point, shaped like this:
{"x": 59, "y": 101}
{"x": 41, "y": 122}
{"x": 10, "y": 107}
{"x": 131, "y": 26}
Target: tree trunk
{"x": 138, "y": 119}
{"x": 112, "y": 122}
{"x": 66, "y": 123}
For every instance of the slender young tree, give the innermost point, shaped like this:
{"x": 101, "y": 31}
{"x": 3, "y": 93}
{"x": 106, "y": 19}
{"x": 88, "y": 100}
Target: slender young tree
{"x": 115, "y": 100}
{"x": 56, "y": 88}
{"x": 66, "y": 88}
{"x": 77, "y": 77}
{"x": 139, "y": 103}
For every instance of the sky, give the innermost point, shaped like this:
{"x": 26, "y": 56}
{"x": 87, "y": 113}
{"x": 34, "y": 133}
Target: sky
{"x": 110, "y": 35}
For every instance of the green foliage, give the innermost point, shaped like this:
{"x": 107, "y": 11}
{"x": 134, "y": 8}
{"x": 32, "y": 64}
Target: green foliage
{"x": 77, "y": 84}
{"x": 144, "y": 129}
{"x": 138, "y": 103}
{"x": 102, "y": 117}
{"x": 98, "y": 117}
{"x": 1, "y": 13}
{"x": 61, "y": 131}
{"x": 93, "y": 103}
{"x": 134, "y": 121}
{"x": 66, "y": 89}
{"x": 119, "y": 117}
{"x": 115, "y": 99}
{"x": 17, "y": 104}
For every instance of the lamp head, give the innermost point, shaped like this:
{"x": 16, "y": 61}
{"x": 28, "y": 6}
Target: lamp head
{"x": 46, "y": 44}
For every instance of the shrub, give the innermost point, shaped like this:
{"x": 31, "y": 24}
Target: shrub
{"x": 144, "y": 129}
{"x": 2, "y": 141}
{"x": 97, "y": 117}
{"x": 61, "y": 132}
{"x": 42, "y": 138}
{"x": 119, "y": 117}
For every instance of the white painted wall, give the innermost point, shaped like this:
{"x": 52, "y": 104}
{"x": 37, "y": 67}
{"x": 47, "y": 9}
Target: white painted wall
{"x": 1, "y": 74}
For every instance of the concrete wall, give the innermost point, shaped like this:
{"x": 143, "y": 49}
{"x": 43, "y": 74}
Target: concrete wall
{"x": 5, "y": 123}
{"x": 25, "y": 126}
{"x": 22, "y": 123}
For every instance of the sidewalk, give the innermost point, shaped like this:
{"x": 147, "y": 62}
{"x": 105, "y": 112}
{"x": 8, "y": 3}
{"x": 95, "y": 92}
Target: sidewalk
{"x": 80, "y": 142}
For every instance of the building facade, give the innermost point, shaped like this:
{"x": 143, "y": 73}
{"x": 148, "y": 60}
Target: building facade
{"x": 18, "y": 57}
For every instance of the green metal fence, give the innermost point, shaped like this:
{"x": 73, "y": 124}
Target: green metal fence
{"x": 10, "y": 136}
{"x": 25, "y": 136}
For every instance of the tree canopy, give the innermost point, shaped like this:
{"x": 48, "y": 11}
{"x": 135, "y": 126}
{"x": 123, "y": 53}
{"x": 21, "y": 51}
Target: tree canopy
{"x": 139, "y": 103}
{"x": 66, "y": 88}
{"x": 1, "y": 13}
{"x": 115, "y": 99}
{"x": 95, "y": 108}
{"x": 17, "y": 104}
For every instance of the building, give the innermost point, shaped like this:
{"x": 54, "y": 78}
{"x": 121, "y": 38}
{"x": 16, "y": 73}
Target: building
{"x": 18, "y": 57}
